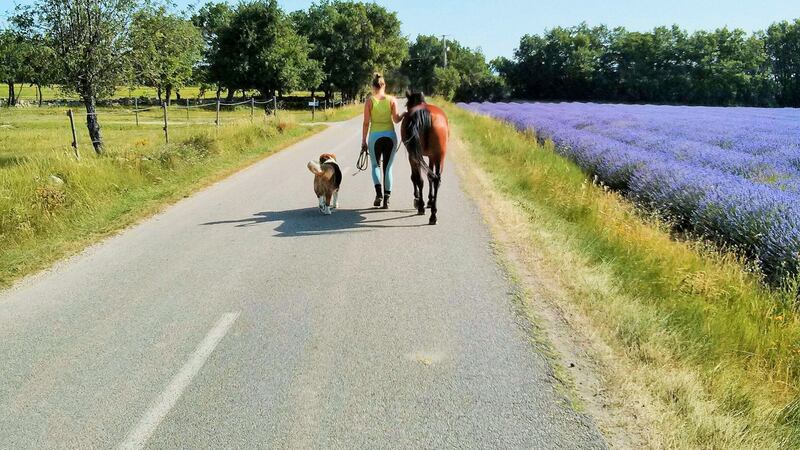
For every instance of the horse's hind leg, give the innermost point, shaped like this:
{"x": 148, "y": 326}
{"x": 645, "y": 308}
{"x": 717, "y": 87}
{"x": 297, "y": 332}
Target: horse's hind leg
{"x": 419, "y": 188}
{"x": 435, "y": 180}
{"x": 430, "y": 188}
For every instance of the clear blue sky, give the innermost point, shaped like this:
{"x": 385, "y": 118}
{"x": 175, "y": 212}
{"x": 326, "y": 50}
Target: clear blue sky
{"x": 496, "y": 26}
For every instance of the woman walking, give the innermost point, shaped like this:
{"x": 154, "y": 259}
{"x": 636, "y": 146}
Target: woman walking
{"x": 378, "y": 135}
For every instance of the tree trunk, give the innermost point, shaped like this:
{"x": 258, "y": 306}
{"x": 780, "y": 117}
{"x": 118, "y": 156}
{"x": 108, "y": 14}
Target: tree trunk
{"x": 231, "y": 93}
{"x": 12, "y": 98}
{"x": 219, "y": 92}
{"x": 160, "y": 97}
{"x": 168, "y": 93}
{"x": 19, "y": 93}
{"x": 39, "y": 93}
{"x": 93, "y": 125}
{"x": 178, "y": 95}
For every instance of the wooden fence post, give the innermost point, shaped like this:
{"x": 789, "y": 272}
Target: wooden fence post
{"x": 217, "y": 120}
{"x": 74, "y": 135}
{"x": 275, "y": 102}
{"x": 187, "y": 112}
{"x": 252, "y": 108}
{"x": 136, "y": 110}
{"x": 166, "y": 126}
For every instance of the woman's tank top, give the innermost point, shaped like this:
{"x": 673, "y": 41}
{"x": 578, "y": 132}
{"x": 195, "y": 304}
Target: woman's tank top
{"x": 381, "y": 118}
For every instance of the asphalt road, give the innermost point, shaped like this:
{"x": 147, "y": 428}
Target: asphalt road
{"x": 243, "y": 318}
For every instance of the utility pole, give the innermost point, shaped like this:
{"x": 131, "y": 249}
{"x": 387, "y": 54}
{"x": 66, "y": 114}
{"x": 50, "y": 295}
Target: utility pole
{"x": 444, "y": 49}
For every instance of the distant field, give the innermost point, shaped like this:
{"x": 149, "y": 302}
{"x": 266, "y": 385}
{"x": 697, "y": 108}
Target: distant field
{"x": 27, "y": 132}
{"x": 28, "y": 93}
{"x": 731, "y": 175}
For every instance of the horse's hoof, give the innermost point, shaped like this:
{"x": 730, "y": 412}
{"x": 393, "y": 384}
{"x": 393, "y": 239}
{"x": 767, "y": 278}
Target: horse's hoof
{"x": 421, "y": 212}
{"x": 432, "y": 221}
{"x": 417, "y": 203}
{"x": 429, "y": 204}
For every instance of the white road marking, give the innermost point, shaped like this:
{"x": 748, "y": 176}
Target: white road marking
{"x": 138, "y": 436}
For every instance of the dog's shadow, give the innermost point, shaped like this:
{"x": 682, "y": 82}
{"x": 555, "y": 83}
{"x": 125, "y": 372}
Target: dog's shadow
{"x": 309, "y": 221}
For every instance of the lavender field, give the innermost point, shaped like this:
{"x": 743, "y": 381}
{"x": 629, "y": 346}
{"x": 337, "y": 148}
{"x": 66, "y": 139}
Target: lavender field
{"x": 728, "y": 174}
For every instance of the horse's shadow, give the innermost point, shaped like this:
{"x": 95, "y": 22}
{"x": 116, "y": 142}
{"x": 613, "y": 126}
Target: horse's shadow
{"x": 309, "y": 221}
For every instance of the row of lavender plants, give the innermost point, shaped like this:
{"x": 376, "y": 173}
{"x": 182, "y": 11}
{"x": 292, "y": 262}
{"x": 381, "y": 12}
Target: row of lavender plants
{"x": 729, "y": 174}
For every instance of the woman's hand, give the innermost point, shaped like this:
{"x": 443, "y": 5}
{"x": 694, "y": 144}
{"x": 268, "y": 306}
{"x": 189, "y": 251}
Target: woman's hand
{"x": 396, "y": 118}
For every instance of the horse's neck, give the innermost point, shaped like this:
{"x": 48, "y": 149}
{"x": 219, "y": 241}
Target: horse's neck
{"x": 416, "y": 108}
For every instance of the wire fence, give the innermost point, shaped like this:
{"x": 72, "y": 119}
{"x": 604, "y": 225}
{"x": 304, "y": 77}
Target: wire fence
{"x": 160, "y": 115}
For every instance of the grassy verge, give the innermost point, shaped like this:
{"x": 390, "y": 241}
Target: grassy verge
{"x": 718, "y": 353}
{"x": 52, "y": 205}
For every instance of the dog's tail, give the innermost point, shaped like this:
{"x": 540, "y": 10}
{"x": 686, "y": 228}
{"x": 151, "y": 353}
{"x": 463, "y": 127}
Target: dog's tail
{"x": 319, "y": 171}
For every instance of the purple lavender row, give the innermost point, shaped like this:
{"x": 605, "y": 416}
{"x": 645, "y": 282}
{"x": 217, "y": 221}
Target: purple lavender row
{"x": 744, "y": 195}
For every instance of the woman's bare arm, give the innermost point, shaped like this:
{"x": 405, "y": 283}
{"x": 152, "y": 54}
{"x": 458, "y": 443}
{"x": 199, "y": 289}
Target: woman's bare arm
{"x": 397, "y": 118}
{"x": 365, "y": 126}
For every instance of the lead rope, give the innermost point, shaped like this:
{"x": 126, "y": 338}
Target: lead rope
{"x": 363, "y": 161}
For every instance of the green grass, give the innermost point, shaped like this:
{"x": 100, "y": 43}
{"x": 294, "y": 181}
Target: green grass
{"x": 52, "y": 204}
{"x": 718, "y": 350}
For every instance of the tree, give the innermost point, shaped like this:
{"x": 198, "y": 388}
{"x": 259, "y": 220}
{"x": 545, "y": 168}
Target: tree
{"x": 311, "y": 76}
{"x": 12, "y": 63}
{"x": 211, "y": 19}
{"x": 728, "y": 68}
{"x": 90, "y": 41}
{"x": 466, "y": 78}
{"x": 259, "y": 49}
{"x": 351, "y": 40}
{"x": 782, "y": 42}
{"x": 23, "y": 53}
{"x": 424, "y": 55}
{"x": 165, "y": 49}
{"x": 446, "y": 81}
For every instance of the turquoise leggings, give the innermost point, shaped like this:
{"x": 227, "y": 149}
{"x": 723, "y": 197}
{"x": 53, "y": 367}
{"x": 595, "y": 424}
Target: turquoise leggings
{"x": 382, "y": 147}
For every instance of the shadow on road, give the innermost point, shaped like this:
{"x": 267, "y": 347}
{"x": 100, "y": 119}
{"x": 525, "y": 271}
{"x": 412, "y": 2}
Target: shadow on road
{"x": 309, "y": 221}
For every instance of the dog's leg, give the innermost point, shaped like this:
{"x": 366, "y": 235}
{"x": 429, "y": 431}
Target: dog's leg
{"x": 321, "y": 202}
{"x": 335, "y": 204}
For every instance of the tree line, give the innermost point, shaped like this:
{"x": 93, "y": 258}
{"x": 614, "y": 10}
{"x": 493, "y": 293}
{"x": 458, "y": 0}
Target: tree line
{"x": 666, "y": 65}
{"x": 91, "y": 47}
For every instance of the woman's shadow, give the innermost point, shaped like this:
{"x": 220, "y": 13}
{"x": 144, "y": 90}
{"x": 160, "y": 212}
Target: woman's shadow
{"x": 309, "y": 221}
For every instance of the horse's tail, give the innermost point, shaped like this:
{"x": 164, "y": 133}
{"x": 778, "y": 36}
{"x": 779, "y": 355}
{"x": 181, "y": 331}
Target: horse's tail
{"x": 417, "y": 127}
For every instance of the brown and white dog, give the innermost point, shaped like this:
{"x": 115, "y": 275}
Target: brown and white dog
{"x": 327, "y": 179}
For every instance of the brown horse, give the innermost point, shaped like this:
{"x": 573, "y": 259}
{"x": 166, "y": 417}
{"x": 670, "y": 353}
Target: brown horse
{"x": 424, "y": 132}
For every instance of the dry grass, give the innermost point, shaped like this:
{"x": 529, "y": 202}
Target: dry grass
{"x": 690, "y": 343}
